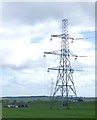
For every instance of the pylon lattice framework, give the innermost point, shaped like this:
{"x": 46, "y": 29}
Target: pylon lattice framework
{"x": 64, "y": 82}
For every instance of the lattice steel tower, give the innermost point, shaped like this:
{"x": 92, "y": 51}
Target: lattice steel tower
{"x": 64, "y": 82}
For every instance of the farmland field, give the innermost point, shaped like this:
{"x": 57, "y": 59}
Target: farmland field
{"x": 40, "y": 109}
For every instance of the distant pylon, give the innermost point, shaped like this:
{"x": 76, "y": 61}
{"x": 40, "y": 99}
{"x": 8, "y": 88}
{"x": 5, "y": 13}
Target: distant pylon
{"x": 64, "y": 82}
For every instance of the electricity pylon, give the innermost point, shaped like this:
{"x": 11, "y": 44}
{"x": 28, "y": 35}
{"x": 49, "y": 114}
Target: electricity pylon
{"x": 64, "y": 82}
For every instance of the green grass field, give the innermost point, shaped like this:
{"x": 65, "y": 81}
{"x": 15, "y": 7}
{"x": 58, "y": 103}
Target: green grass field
{"x": 40, "y": 109}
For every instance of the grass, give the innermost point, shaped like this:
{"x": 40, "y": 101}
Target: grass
{"x": 40, "y": 109}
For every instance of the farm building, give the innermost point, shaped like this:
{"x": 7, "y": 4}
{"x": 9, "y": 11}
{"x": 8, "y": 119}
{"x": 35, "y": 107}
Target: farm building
{"x": 15, "y": 104}
{"x": 12, "y": 106}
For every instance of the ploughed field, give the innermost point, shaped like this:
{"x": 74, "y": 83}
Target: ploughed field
{"x": 41, "y": 109}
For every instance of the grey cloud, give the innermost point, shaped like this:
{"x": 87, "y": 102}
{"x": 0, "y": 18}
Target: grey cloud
{"x": 17, "y": 89}
{"x": 31, "y": 13}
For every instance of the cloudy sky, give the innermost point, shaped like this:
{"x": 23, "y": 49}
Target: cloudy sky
{"x": 25, "y": 30}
